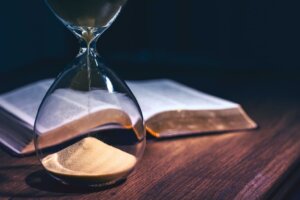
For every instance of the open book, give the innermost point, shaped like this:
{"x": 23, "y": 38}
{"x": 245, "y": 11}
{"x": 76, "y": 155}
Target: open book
{"x": 169, "y": 109}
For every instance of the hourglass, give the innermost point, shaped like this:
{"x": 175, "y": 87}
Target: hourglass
{"x": 89, "y": 129}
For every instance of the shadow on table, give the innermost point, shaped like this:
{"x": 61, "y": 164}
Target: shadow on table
{"x": 42, "y": 181}
{"x": 12, "y": 184}
{"x": 38, "y": 184}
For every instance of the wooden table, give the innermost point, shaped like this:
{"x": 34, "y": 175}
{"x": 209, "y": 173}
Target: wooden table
{"x": 258, "y": 164}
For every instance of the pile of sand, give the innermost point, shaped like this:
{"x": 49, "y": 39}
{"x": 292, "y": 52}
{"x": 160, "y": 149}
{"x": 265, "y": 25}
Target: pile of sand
{"x": 90, "y": 159}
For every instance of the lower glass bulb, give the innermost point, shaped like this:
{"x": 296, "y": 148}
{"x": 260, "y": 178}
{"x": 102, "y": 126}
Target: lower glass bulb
{"x": 89, "y": 129}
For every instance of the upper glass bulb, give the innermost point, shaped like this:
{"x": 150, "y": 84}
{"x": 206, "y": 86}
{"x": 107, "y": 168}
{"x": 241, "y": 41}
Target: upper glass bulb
{"x": 87, "y": 13}
{"x": 89, "y": 127}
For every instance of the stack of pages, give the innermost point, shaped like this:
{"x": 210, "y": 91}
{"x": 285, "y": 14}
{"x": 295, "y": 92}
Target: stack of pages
{"x": 169, "y": 109}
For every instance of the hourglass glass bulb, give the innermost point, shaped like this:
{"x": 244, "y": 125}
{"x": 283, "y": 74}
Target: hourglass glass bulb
{"x": 89, "y": 127}
{"x": 87, "y": 13}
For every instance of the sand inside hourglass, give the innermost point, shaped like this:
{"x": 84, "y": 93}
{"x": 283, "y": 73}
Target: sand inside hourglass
{"x": 87, "y": 13}
{"x": 90, "y": 159}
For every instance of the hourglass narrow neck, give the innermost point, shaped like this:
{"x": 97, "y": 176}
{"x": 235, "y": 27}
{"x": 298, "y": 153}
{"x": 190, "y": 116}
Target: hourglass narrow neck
{"x": 88, "y": 38}
{"x": 87, "y": 46}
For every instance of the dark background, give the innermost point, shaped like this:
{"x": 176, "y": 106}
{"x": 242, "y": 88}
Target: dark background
{"x": 154, "y": 38}
{"x": 205, "y": 44}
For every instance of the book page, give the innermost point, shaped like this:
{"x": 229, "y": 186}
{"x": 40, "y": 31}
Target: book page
{"x": 156, "y": 96}
{"x": 66, "y": 105}
{"x": 24, "y": 102}
{"x": 69, "y": 111}
{"x": 63, "y": 106}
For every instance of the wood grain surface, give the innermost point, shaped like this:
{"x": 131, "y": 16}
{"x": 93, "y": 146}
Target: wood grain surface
{"x": 235, "y": 165}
